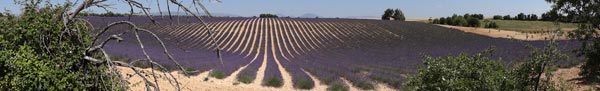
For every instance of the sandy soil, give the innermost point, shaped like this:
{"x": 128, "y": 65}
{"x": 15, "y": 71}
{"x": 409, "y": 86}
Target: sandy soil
{"x": 503, "y": 33}
{"x": 197, "y": 83}
{"x": 568, "y": 77}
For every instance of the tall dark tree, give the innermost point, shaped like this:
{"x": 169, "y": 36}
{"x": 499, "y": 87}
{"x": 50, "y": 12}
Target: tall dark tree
{"x": 387, "y": 14}
{"x": 587, "y": 12}
{"x": 443, "y": 21}
{"x": 533, "y": 17}
{"x": 449, "y": 21}
{"x": 521, "y": 16}
{"x": 507, "y": 17}
{"x": 398, "y": 15}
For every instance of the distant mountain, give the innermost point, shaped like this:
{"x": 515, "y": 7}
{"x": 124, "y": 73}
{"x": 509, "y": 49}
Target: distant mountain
{"x": 362, "y": 17}
{"x": 308, "y": 15}
{"x": 201, "y": 14}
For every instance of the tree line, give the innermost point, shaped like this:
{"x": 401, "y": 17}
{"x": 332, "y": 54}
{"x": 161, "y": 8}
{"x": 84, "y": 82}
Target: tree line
{"x": 548, "y": 16}
{"x": 466, "y": 20}
{"x": 395, "y": 14}
{"x": 107, "y": 14}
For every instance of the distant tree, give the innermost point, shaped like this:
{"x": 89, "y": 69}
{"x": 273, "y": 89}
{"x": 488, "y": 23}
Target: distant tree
{"x": 533, "y": 17}
{"x": 480, "y": 16}
{"x": 497, "y": 17}
{"x": 521, "y": 16}
{"x": 473, "y": 22}
{"x": 460, "y": 21}
{"x": 435, "y": 21}
{"x": 387, "y": 14}
{"x": 449, "y": 21}
{"x": 1, "y": 15}
{"x": 398, "y": 15}
{"x": 467, "y": 16}
{"x": 442, "y": 21}
{"x": 268, "y": 16}
{"x": 507, "y": 17}
{"x": 545, "y": 17}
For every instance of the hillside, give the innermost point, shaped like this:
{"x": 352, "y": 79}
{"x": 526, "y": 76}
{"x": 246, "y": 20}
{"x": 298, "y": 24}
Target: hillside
{"x": 364, "y": 52}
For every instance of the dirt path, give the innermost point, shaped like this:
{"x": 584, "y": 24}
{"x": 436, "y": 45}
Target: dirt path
{"x": 503, "y": 33}
{"x": 569, "y": 77}
{"x": 260, "y": 74}
{"x": 194, "y": 83}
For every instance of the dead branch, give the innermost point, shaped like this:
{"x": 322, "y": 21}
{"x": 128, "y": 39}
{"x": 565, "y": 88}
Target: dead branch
{"x": 210, "y": 30}
{"x": 70, "y": 17}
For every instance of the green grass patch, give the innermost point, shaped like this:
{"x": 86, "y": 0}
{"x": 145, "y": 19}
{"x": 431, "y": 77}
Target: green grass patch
{"x": 217, "y": 74}
{"x": 338, "y": 86}
{"x": 304, "y": 84}
{"x": 245, "y": 78}
{"x": 530, "y": 26}
{"x": 273, "y": 82}
{"x": 364, "y": 85}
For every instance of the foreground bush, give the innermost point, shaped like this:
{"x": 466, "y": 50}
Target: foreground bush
{"x": 458, "y": 73}
{"x": 479, "y": 73}
{"x": 36, "y": 55}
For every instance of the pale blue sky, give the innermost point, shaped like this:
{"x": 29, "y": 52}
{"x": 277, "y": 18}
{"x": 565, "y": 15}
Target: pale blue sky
{"x": 346, "y": 8}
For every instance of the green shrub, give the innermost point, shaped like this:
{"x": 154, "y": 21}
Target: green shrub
{"x": 473, "y": 22}
{"x": 458, "y": 73}
{"x": 304, "y": 84}
{"x": 338, "y": 86}
{"x": 365, "y": 85}
{"x": 217, "y": 74}
{"x": 273, "y": 82}
{"x": 491, "y": 25}
{"x": 36, "y": 55}
{"x": 245, "y": 78}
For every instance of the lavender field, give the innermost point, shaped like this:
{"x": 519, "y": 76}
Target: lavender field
{"x": 261, "y": 49}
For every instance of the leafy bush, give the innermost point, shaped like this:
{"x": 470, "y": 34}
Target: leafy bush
{"x": 459, "y": 73}
{"x": 478, "y": 73}
{"x": 338, "y": 86}
{"x": 304, "y": 84}
{"x": 217, "y": 74}
{"x": 459, "y": 21}
{"x": 491, "y": 25}
{"x": 473, "y": 22}
{"x": 35, "y": 54}
{"x": 273, "y": 82}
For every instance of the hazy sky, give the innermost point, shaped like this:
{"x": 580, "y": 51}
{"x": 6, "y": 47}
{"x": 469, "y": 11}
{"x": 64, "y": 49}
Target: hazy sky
{"x": 345, "y": 8}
